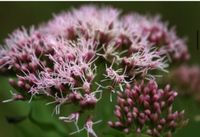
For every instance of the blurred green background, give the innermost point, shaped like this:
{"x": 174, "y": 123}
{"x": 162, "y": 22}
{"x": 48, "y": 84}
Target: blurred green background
{"x": 184, "y": 15}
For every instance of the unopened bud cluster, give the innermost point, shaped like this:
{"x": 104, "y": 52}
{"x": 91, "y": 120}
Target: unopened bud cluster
{"x": 143, "y": 108}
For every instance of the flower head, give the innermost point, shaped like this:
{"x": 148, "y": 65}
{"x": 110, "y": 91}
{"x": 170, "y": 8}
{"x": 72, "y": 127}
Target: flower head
{"x": 59, "y": 61}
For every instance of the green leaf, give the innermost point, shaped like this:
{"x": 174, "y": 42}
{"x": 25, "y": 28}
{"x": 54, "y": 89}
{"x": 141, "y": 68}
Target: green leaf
{"x": 46, "y": 126}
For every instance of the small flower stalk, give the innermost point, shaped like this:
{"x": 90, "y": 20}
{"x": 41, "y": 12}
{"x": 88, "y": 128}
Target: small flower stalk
{"x": 73, "y": 117}
{"x": 59, "y": 61}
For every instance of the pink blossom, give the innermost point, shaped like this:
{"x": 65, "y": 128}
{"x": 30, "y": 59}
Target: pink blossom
{"x": 60, "y": 59}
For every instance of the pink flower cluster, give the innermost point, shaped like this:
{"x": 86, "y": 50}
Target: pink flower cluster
{"x": 59, "y": 59}
{"x": 164, "y": 38}
{"x": 188, "y": 78}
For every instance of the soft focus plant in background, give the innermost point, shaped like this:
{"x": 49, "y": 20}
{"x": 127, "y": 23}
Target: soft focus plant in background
{"x": 92, "y": 54}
